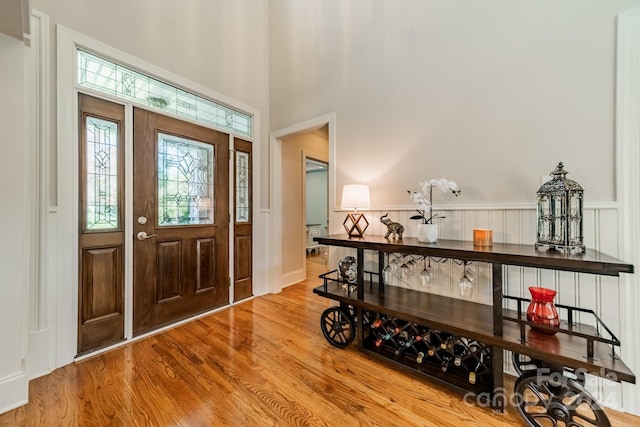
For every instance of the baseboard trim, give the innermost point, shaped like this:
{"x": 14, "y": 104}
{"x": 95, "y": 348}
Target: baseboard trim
{"x": 296, "y": 276}
{"x": 14, "y": 392}
{"x": 39, "y": 355}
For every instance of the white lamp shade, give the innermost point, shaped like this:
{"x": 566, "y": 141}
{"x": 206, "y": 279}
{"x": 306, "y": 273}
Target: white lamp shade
{"x": 355, "y": 196}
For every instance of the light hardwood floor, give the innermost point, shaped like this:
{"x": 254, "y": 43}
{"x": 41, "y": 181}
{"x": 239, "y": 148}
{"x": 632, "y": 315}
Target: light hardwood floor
{"x": 260, "y": 363}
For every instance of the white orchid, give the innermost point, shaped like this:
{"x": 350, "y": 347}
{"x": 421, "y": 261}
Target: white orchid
{"x": 425, "y": 204}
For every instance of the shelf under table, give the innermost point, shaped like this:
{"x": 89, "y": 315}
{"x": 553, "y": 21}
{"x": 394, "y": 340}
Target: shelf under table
{"x": 475, "y": 321}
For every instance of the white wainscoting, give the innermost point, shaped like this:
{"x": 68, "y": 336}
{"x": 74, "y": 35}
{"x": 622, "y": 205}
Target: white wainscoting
{"x": 516, "y": 225}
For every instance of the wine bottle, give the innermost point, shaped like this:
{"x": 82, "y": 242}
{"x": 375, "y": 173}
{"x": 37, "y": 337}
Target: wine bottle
{"x": 446, "y": 358}
{"x": 380, "y": 331}
{"x": 423, "y": 334}
{"x": 447, "y": 340}
{"x": 459, "y": 351}
{"x": 401, "y": 342}
{"x": 412, "y": 339}
{"x": 420, "y": 357}
{"x": 473, "y": 374}
{"x": 474, "y": 346}
{"x": 432, "y": 350}
{"x": 434, "y": 342}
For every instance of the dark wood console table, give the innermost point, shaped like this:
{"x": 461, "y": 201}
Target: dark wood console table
{"x": 575, "y": 346}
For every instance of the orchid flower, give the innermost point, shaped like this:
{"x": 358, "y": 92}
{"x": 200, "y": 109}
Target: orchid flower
{"x": 425, "y": 196}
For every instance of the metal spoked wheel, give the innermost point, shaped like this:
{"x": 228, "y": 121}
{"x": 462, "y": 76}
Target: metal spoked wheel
{"x": 337, "y": 327}
{"x": 557, "y": 401}
{"x": 366, "y": 314}
{"x": 524, "y": 364}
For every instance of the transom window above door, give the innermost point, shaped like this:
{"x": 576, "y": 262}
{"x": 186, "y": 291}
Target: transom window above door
{"x": 114, "y": 79}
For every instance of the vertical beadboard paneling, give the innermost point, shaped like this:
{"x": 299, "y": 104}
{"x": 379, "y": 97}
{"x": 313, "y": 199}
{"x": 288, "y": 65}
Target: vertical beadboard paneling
{"x": 529, "y": 226}
{"x": 498, "y": 223}
{"x": 590, "y": 232}
{"x": 482, "y": 220}
{"x": 512, "y": 275}
{"x": 607, "y": 231}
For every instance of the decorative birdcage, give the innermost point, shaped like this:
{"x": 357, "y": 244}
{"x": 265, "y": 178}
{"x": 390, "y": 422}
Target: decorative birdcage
{"x": 560, "y": 219}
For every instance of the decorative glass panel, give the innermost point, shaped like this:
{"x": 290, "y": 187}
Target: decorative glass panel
{"x": 101, "y": 174}
{"x": 242, "y": 187}
{"x": 185, "y": 181}
{"x": 112, "y": 78}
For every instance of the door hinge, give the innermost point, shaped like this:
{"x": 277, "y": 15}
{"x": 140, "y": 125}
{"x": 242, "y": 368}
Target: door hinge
{"x": 229, "y": 281}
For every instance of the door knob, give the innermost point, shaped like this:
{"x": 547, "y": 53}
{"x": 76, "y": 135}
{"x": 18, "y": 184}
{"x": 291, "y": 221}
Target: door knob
{"x": 144, "y": 236}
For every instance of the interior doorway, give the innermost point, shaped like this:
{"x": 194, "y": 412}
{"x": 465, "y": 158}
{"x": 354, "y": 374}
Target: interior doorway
{"x": 296, "y": 150}
{"x": 316, "y": 211}
{"x": 288, "y": 218}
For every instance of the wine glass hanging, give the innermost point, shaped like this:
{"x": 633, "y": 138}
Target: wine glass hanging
{"x": 427, "y": 273}
{"x": 465, "y": 284}
{"x": 403, "y": 270}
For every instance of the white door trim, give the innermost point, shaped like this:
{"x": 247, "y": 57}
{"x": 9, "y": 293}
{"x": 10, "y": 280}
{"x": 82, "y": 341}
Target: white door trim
{"x": 275, "y": 142}
{"x": 628, "y": 183}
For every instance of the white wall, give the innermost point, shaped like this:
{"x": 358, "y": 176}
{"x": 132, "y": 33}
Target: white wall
{"x": 14, "y": 258}
{"x": 491, "y": 93}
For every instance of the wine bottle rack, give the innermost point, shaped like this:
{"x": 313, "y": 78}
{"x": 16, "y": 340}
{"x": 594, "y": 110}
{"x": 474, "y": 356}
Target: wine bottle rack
{"x": 454, "y": 358}
{"x": 400, "y": 325}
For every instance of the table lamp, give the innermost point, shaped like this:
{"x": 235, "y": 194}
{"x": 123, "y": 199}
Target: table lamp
{"x": 355, "y": 196}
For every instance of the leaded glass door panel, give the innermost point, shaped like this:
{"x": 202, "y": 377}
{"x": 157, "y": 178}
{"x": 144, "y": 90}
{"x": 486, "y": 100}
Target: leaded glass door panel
{"x": 181, "y": 220}
{"x": 101, "y": 231}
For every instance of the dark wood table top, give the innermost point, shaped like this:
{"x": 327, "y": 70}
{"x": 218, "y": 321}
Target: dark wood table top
{"x": 591, "y": 261}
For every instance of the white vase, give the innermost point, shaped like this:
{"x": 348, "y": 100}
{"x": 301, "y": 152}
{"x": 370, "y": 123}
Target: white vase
{"x": 428, "y": 233}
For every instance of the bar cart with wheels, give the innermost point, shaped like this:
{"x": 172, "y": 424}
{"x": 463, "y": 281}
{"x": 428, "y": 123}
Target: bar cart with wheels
{"x": 414, "y": 331}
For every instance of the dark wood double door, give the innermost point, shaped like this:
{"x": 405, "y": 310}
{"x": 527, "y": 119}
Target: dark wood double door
{"x": 180, "y": 222}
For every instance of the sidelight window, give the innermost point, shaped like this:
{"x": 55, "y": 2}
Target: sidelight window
{"x": 101, "y": 174}
{"x": 242, "y": 187}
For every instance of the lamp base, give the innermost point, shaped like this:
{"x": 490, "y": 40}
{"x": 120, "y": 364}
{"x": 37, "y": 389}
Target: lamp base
{"x": 355, "y": 223}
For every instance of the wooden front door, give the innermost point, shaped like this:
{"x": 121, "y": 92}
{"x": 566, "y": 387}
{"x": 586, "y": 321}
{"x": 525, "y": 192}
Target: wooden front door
{"x": 243, "y": 255}
{"x": 101, "y": 228}
{"x": 181, "y": 220}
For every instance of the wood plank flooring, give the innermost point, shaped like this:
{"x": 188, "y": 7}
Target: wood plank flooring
{"x": 261, "y": 363}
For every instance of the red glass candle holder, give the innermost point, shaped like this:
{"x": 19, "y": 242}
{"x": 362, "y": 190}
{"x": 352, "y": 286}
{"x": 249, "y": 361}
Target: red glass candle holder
{"x": 542, "y": 309}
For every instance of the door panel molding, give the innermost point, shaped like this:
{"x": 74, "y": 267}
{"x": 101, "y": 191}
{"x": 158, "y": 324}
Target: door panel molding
{"x": 206, "y": 264}
{"x": 169, "y": 266}
{"x": 102, "y": 269}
